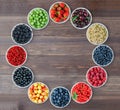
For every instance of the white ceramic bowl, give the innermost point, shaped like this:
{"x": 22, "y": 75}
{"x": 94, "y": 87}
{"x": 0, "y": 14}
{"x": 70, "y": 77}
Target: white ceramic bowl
{"x": 89, "y": 97}
{"x": 34, "y": 27}
{"x": 55, "y": 89}
{"x": 84, "y": 26}
{"x": 101, "y": 84}
{"x": 30, "y": 98}
{"x": 28, "y": 84}
{"x": 94, "y": 59}
{"x": 29, "y": 39}
{"x": 9, "y": 62}
{"x": 103, "y": 27}
{"x": 67, "y": 17}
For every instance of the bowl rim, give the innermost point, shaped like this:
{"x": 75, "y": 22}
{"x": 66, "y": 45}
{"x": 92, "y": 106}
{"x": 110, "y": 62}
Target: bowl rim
{"x": 39, "y": 83}
{"x": 67, "y": 17}
{"x": 57, "y": 88}
{"x": 105, "y": 75}
{"x": 29, "y": 39}
{"x": 46, "y": 22}
{"x": 90, "y": 95}
{"x": 14, "y": 73}
{"x": 105, "y": 27}
{"x": 12, "y": 47}
{"x": 107, "y": 47}
{"x": 88, "y": 23}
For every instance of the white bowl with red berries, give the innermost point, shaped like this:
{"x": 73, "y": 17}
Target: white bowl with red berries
{"x": 81, "y": 18}
{"x": 96, "y": 76}
{"x": 59, "y": 12}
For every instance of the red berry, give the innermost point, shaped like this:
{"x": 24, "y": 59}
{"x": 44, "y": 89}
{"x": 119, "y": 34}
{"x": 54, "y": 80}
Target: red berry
{"x": 62, "y": 4}
{"x": 66, "y": 14}
{"x": 59, "y": 8}
{"x": 56, "y": 5}
{"x": 57, "y": 19}
{"x": 66, "y": 9}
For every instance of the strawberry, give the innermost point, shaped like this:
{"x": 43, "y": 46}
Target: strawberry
{"x": 57, "y": 19}
{"x": 59, "y": 8}
{"x": 66, "y": 9}
{"x": 52, "y": 15}
{"x": 66, "y": 14}
{"x": 62, "y": 4}
{"x": 61, "y": 12}
{"x": 56, "y": 5}
{"x": 52, "y": 11}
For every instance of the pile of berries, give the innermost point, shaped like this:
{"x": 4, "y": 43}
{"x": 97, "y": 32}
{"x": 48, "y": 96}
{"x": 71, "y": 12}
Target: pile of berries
{"x": 16, "y": 55}
{"x": 59, "y": 12}
{"x": 81, "y": 18}
{"x": 38, "y": 92}
{"x": 23, "y": 77}
{"x": 60, "y": 97}
{"x": 96, "y": 76}
{"x": 81, "y": 92}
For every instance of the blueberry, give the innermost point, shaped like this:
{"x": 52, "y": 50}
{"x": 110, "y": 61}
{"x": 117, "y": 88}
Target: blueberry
{"x": 60, "y": 97}
{"x": 22, "y": 76}
{"x": 22, "y": 34}
{"x": 103, "y": 55}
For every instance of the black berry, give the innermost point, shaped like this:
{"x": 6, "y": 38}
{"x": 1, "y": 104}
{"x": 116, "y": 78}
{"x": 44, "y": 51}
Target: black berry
{"x": 22, "y": 33}
{"x": 23, "y": 76}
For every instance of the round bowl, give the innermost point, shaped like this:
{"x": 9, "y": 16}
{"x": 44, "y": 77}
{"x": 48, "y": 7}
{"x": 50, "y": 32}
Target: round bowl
{"x": 7, "y": 53}
{"x": 87, "y": 33}
{"x": 76, "y": 94}
{"x": 87, "y": 79}
{"x": 46, "y": 22}
{"x": 61, "y": 21}
{"x": 54, "y": 90}
{"x": 39, "y": 93}
{"x": 94, "y": 59}
{"x": 29, "y": 83}
{"x": 88, "y": 13}
{"x": 29, "y": 39}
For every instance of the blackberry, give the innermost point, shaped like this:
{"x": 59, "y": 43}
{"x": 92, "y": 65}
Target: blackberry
{"x": 22, "y": 34}
{"x": 22, "y": 76}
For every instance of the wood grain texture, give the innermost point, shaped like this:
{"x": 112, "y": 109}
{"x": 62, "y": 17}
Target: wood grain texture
{"x": 60, "y": 54}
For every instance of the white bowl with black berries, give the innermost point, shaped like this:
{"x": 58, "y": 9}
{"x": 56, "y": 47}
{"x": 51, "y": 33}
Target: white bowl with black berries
{"x": 102, "y": 55}
{"x": 62, "y": 99}
{"x": 81, "y": 18}
{"x": 21, "y": 34}
{"x": 22, "y": 77}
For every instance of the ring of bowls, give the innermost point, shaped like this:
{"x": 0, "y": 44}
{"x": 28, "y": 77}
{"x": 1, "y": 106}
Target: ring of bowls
{"x": 44, "y": 27}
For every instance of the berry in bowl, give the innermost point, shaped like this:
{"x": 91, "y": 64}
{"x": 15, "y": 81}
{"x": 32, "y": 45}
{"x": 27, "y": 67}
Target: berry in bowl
{"x": 81, "y": 93}
{"x": 60, "y": 97}
{"x": 21, "y": 34}
{"x": 81, "y": 18}
{"x": 38, "y": 18}
{"x": 16, "y": 55}
{"x": 96, "y": 76}
{"x": 59, "y": 12}
{"x": 38, "y": 92}
{"x": 22, "y": 77}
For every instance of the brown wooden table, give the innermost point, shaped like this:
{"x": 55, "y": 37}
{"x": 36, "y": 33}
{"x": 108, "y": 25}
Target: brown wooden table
{"x": 60, "y": 54}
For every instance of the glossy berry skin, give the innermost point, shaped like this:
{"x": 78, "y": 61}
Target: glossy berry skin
{"x": 23, "y": 76}
{"x": 22, "y": 33}
{"x": 103, "y": 55}
{"x": 60, "y": 97}
{"x": 96, "y": 76}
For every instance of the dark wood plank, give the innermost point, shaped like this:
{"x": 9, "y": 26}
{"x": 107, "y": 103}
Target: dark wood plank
{"x": 60, "y": 54}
